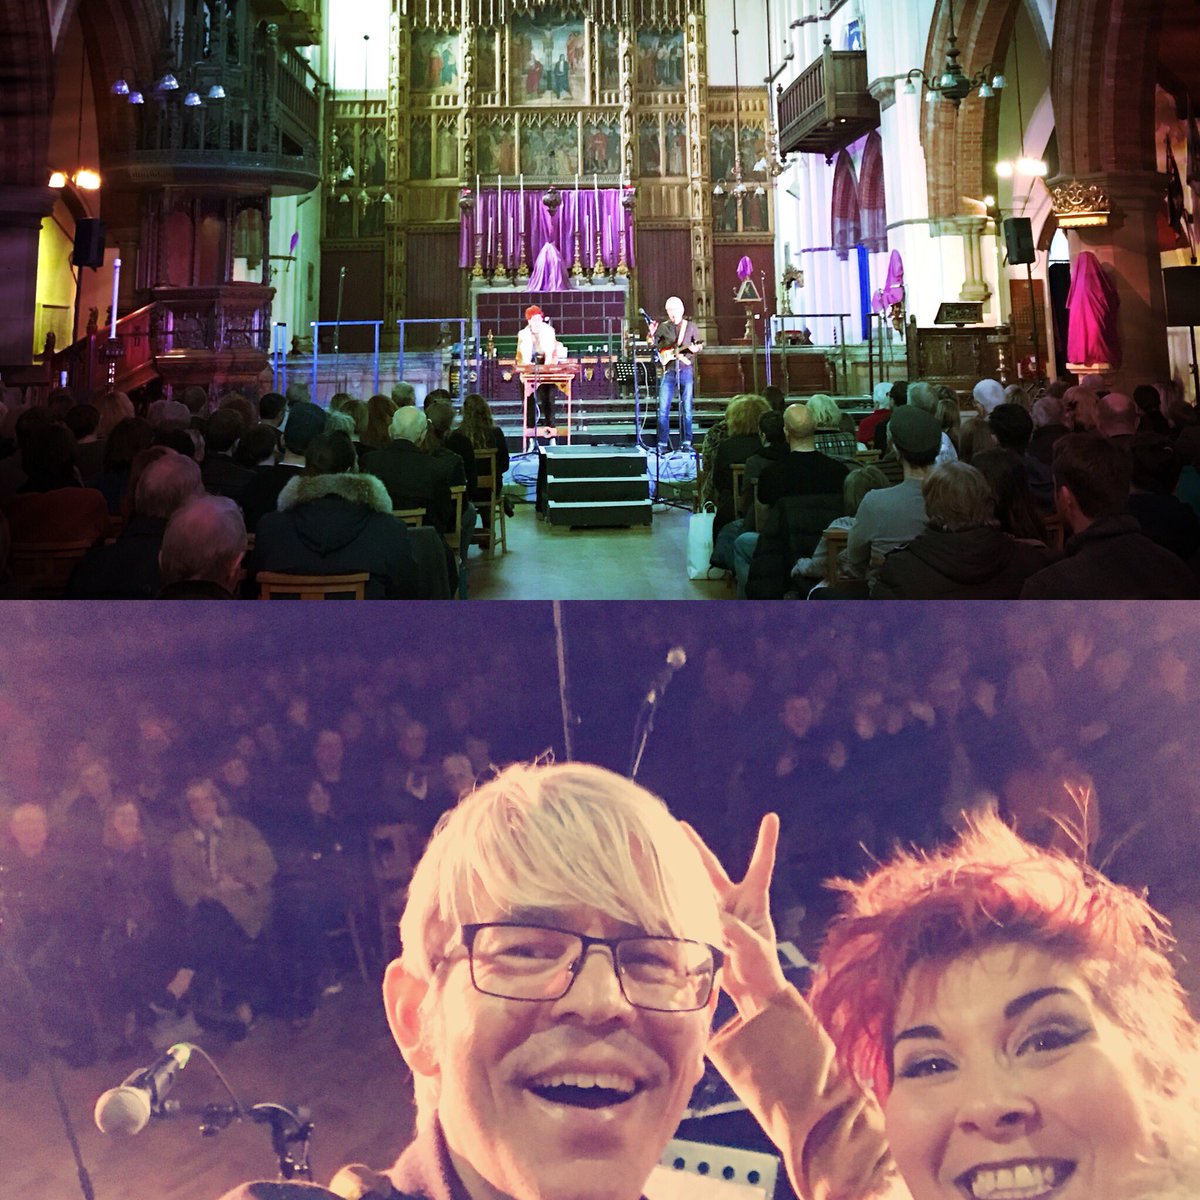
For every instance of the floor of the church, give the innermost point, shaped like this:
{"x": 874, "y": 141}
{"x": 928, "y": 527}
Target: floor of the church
{"x": 547, "y": 562}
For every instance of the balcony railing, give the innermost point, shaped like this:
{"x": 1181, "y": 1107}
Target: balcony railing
{"x": 828, "y": 106}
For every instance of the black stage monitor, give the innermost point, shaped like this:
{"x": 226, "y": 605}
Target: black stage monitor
{"x": 1182, "y": 285}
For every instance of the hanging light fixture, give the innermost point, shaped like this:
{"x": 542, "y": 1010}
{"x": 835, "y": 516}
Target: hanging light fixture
{"x": 216, "y": 92}
{"x": 954, "y": 84}
{"x": 168, "y": 83}
{"x": 192, "y": 100}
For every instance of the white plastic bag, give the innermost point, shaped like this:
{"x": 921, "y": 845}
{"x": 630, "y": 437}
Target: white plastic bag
{"x": 700, "y": 545}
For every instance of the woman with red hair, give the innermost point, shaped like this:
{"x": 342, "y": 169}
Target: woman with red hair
{"x": 990, "y": 1021}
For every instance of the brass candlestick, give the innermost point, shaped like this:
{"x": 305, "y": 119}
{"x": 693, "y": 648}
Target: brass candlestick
{"x": 577, "y": 265}
{"x": 598, "y": 268}
{"x": 522, "y": 273}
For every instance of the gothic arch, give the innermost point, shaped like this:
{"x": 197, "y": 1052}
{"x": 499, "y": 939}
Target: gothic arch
{"x": 872, "y": 195}
{"x": 846, "y": 218}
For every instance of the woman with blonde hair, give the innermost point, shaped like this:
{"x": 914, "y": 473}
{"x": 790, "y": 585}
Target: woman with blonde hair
{"x": 742, "y": 415}
{"x": 114, "y": 407}
{"x": 831, "y": 438}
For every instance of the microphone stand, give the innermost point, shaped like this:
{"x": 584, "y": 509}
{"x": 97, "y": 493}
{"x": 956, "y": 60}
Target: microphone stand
{"x": 642, "y": 727}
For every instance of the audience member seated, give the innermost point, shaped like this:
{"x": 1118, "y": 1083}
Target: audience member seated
{"x": 27, "y": 422}
{"x": 772, "y": 447}
{"x": 168, "y": 412}
{"x": 52, "y": 505}
{"x": 128, "y": 568}
{"x": 1155, "y": 476}
{"x": 899, "y": 398}
{"x": 1016, "y": 513}
{"x": 222, "y": 871}
{"x": 127, "y": 440}
{"x": 413, "y": 478}
{"x": 257, "y": 447}
{"x": 271, "y": 409}
{"x": 50, "y": 930}
{"x": 404, "y": 395}
{"x": 1107, "y": 557}
{"x": 380, "y": 410}
{"x": 763, "y": 560}
{"x": 1151, "y": 418}
{"x": 113, "y": 407}
{"x": 925, "y": 396}
{"x": 810, "y": 570}
{"x": 949, "y": 417}
{"x": 988, "y": 395}
{"x": 332, "y": 521}
{"x": 881, "y": 398}
{"x": 1079, "y": 409}
{"x": 439, "y": 409}
{"x": 221, "y": 474}
{"x": 202, "y": 550}
{"x": 1049, "y": 426}
{"x": 304, "y": 422}
{"x": 961, "y": 555}
{"x": 742, "y": 415}
{"x": 892, "y": 517}
{"x": 480, "y": 429}
{"x": 83, "y": 420}
{"x": 1117, "y": 418}
{"x": 183, "y": 439}
{"x": 1012, "y": 427}
{"x": 138, "y": 954}
{"x": 194, "y": 398}
{"x": 831, "y": 438}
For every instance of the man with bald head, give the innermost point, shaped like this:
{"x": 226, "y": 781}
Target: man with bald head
{"x": 128, "y": 569}
{"x": 678, "y": 341}
{"x": 413, "y": 478}
{"x": 202, "y": 550}
{"x": 1117, "y": 418}
{"x": 805, "y": 471}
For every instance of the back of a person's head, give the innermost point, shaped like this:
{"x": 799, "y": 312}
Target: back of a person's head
{"x": 957, "y": 497}
{"x": 271, "y": 406}
{"x": 165, "y": 484}
{"x": 380, "y": 409}
{"x": 241, "y": 404}
{"x": 742, "y": 414}
{"x": 176, "y": 438}
{"x": 440, "y": 414}
{"x": 203, "y": 540}
{"x": 167, "y": 412}
{"x": 127, "y": 439}
{"x": 771, "y": 428}
{"x": 224, "y": 428}
{"x": 1181, "y": 414}
{"x": 59, "y": 402}
{"x": 305, "y": 421}
{"x": 799, "y": 424}
{"x": 1016, "y": 394}
{"x": 858, "y": 483}
{"x": 1079, "y": 404}
{"x": 82, "y": 420}
{"x": 1116, "y": 414}
{"x": 1008, "y": 480}
{"x": 193, "y": 398}
{"x": 403, "y": 394}
{"x": 297, "y": 392}
{"x": 924, "y": 396}
{"x": 1057, "y": 388}
{"x": 409, "y": 423}
{"x": 1095, "y": 471}
{"x": 331, "y": 453}
{"x": 436, "y": 395}
{"x": 1012, "y": 425}
{"x": 339, "y": 422}
{"x": 825, "y": 411}
{"x": 257, "y": 446}
{"x": 114, "y": 407}
{"x": 48, "y": 454}
{"x": 899, "y": 393}
{"x": 948, "y": 415}
{"x": 339, "y": 401}
{"x": 775, "y": 397}
{"x": 30, "y": 421}
{"x": 1146, "y": 396}
{"x": 1048, "y": 410}
{"x": 1154, "y": 464}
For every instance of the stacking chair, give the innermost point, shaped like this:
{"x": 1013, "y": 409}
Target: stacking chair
{"x": 412, "y": 517}
{"x": 45, "y": 567}
{"x": 275, "y": 585}
{"x": 492, "y": 527}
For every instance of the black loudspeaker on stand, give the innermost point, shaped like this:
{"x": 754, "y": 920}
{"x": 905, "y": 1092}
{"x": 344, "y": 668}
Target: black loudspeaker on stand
{"x": 1018, "y": 240}
{"x": 89, "y": 242}
{"x": 1182, "y": 291}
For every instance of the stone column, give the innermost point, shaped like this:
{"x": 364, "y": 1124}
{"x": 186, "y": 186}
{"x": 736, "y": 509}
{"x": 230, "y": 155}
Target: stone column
{"x": 975, "y": 286}
{"x": 700, "y": 189}
{"x": 395, "y": 234}
{"x": 1128, "y": 250}
{"x": 22, "y": 210}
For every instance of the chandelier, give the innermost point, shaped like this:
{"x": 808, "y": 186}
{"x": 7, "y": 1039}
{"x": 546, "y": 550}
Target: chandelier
{"x": 954, "y": 84}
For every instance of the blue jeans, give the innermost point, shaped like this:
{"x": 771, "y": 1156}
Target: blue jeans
{"x": 666, "y": 394}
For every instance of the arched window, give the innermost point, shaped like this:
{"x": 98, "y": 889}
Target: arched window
{"x": 872, "y": 196}
{"x": 846, "y": 220}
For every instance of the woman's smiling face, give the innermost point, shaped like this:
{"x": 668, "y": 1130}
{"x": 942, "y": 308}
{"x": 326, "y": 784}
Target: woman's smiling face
{"x": 1010, "y": 1083}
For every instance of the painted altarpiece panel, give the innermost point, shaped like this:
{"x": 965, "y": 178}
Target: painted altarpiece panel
{"x": 547, "y": 61}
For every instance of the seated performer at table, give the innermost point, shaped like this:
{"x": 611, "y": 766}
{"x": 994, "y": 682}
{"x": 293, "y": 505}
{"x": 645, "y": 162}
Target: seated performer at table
{"x": 677, "y": 340}
{"x": 536, "y": 343}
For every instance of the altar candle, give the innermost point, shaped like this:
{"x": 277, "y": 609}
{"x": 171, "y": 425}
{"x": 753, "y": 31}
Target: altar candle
{"x": 521, "y": 205}
{"x": 116, "y": 286}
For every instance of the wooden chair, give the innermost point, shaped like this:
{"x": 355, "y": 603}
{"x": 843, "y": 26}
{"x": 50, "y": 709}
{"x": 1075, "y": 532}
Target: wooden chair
{"x": 492, "y": 528}
{"x": 835, "y": 543}
{"x": 865, "y": 458}
{"x": 739, "y": 471}
{"x": 414, "y": 517}
{"x": 45, "y": 567}
{"x": 454, "y": 536}
{"x": 275, "y": 585}
{"x": 393, "y": 851}
{"x": 1056, "y": 535}
{"x": 349, "y": 928}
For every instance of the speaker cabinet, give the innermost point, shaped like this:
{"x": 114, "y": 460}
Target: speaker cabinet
{"x": 89, "y": 242}
{"x": 1018, "y": 239}
{"x": 1182, "y": 285}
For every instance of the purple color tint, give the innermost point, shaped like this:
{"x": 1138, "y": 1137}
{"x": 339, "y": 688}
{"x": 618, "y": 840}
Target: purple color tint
{"x": 1094, "y": 333}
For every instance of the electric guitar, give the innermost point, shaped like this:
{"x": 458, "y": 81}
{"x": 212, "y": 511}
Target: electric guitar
{"x": 668, "y": 354}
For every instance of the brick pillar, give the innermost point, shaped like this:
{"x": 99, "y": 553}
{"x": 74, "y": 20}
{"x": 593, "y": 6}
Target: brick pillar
{"x": 22, "y": 210}
{"x": 1128, "y": 250}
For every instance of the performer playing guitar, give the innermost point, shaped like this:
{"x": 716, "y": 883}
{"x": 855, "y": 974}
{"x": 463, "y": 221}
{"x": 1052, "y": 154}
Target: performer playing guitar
{"x": 677, "y": 340}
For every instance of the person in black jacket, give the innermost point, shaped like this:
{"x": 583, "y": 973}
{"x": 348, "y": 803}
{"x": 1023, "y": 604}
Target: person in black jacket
{"x": 413, "y": 478}
{"x": 962, "y": 555}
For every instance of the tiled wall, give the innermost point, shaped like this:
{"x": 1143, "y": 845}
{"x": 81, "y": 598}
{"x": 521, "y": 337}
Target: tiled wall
{"x": 582, "y": 310}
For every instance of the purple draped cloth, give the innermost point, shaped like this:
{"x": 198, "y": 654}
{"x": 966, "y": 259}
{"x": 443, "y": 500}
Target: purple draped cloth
{"x": 1094, "y": 334}
{"x": 501, "y": 226}
{"x": 549, "y": 271}
{"x": 892, "y": 291}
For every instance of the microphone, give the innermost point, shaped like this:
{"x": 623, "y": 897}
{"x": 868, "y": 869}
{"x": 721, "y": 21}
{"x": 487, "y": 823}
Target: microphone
{"x": 676, "y": 658}
{"x": 126, "y": 1110}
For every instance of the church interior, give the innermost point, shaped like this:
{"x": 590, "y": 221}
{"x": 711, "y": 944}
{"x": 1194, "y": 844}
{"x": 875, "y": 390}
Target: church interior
{"x": 257, "y": 195}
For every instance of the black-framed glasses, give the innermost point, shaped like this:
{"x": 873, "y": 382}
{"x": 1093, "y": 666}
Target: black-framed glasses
{"x": 540, "y": 962}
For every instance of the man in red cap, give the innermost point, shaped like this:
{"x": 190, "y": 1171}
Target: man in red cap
{"x": 537, "y": 343}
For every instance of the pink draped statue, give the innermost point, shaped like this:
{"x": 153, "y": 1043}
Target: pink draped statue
{"x": 892, "y": 291}
{"x": 549, "y": 271}
{"x": 1093, "y": 335}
